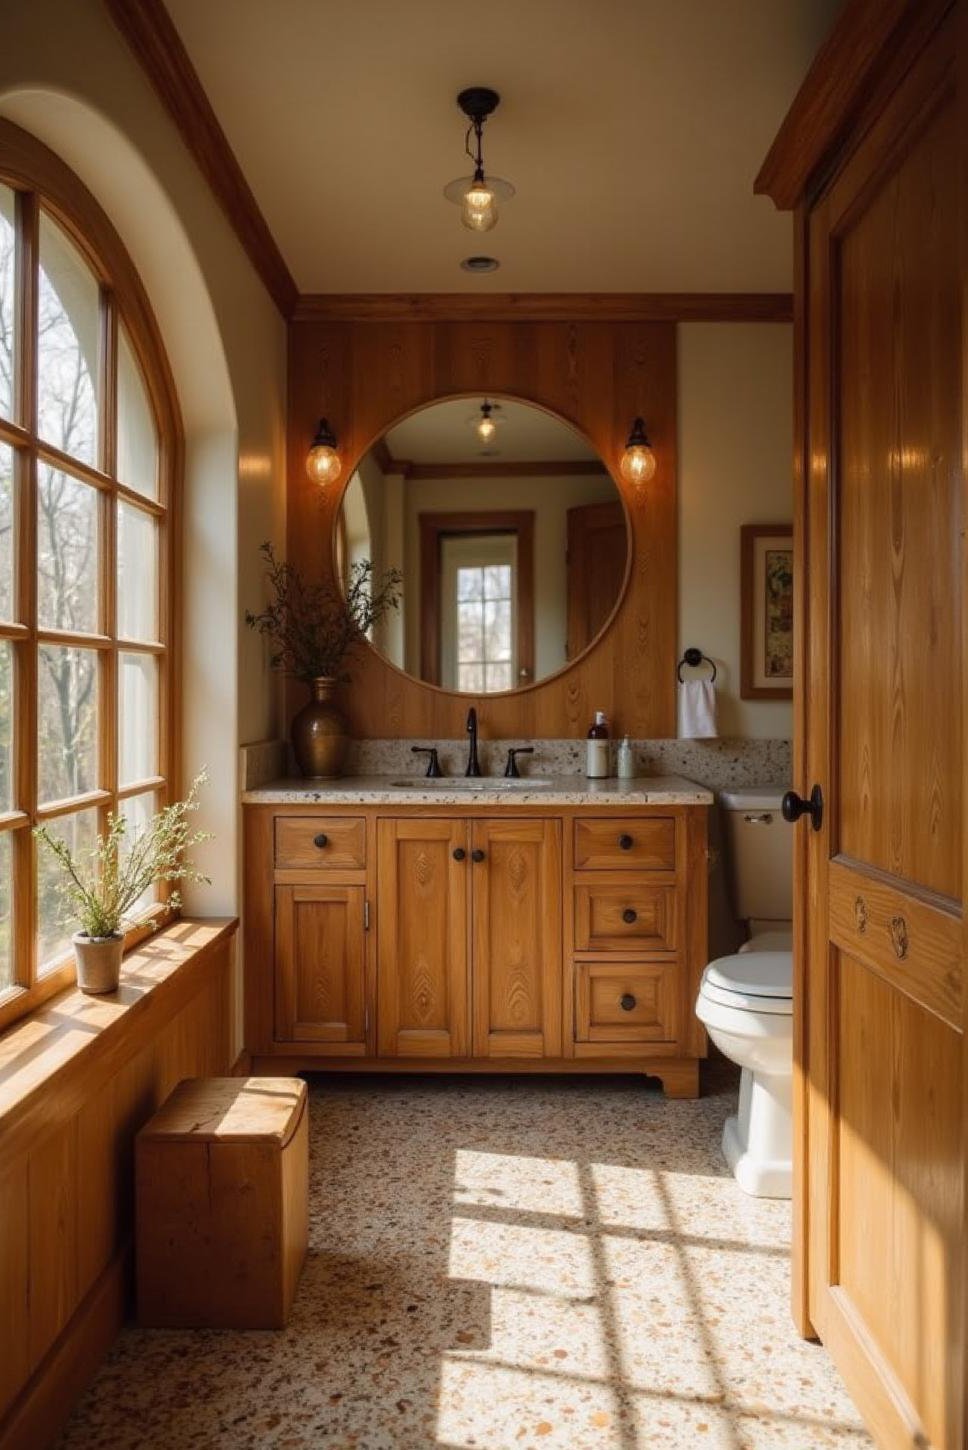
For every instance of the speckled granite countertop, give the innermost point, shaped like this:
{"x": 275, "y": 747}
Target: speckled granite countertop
{"x": 563, "y": 790}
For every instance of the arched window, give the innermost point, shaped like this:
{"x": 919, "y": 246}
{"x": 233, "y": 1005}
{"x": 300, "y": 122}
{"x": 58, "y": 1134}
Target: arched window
{"x": 89, "y": 453}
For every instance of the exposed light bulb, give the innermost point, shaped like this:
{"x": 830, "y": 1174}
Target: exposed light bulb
{"x": 638, "y": 461}
{"x": 478, "y": 208}
{"x": 486, "y": 429}
{"x": 323, "y": 463}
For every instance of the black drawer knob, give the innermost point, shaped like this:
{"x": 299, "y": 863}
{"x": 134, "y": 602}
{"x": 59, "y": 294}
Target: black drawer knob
{"x": 626, "y": 1002}
{"x": 459, "y": 853}
{"x": 629, "y": 915}
{"x": 477, "y": 855}
{"x": 321, "y": 840}
{"x": 626, "y": 843}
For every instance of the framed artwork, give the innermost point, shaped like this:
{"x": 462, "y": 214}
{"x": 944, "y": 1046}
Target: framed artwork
{"x": 766, "y": 582}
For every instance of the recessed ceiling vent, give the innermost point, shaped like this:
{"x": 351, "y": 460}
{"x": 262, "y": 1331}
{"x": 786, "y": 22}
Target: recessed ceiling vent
{"x": 480, "y": 264}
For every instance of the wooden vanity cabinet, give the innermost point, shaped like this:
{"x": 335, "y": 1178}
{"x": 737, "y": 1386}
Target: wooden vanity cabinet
{"x": 476, "y": 939}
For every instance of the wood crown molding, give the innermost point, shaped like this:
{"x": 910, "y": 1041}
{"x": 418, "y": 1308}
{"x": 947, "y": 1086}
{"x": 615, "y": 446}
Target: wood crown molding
{"x": 871, "y": 40}
{"x": 150, "y": 33}
{"x": 544, "y": 306}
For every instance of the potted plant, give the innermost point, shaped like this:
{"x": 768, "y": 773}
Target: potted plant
{"x": 313, "y": 627}
{"x": 100, "y": 887}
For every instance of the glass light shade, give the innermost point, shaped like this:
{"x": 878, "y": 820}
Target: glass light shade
{"x": 638, "y": 463}
{"x": 478, "y": 208}
{"x": 323, "y": 463}
{"x": 486, "y": 429}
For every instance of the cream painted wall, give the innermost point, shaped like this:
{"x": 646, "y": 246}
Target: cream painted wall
{"x": 735, "y": 467}
{"x": 67, "y": 77}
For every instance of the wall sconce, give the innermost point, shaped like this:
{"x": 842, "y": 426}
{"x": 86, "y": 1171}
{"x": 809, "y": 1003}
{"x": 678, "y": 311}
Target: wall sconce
{"x": 638, "y": 460}
{"x": 322, "y": 461}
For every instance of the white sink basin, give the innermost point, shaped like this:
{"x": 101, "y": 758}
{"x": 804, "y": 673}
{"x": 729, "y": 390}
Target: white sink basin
{"x": 473, "y": 783}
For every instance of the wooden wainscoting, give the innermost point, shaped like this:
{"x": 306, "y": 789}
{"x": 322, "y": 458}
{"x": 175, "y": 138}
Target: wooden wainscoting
{"x": 77, "y": 1080}
{"x": 365, "y": 376}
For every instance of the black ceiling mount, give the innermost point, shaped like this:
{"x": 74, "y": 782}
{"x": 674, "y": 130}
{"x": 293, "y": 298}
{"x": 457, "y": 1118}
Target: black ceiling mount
{"x": 478, "y": 102}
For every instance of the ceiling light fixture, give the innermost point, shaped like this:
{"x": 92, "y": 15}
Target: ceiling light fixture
{"x": 485, "y": 422}
{"x": 322, "y": 461}
{"x": 638, "y": 460}
{"x": 477, "y": 195}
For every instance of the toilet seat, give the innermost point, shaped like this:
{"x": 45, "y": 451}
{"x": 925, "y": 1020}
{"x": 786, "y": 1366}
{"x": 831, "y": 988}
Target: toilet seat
{"x": 751, "y": 982}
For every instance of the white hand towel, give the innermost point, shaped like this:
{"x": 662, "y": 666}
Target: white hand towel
{"x": 697, "y": 710}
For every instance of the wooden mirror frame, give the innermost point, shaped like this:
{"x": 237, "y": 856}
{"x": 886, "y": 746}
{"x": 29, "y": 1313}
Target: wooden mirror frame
{"x": 596, "y": 377}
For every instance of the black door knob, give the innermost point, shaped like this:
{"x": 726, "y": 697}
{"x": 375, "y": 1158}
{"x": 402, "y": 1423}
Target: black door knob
{"x": 629, "y": 915}
{"x": 459, "y": 853}
{"x": 626, "y": 1002}
{"x": 477, "y": 855}
{"x": 626, "y": 843}
{"x": 321, "y": 840}
{"x": 794, "y": 806}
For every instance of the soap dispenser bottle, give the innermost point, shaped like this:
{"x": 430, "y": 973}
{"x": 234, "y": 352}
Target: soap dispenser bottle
{"x": 596, "y": 752}
{"x": 625, "y": 760}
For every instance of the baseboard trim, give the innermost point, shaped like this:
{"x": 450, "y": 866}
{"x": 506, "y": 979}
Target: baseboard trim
{"x": 242, "y": 1066}
{"x": 42, "y": 1408}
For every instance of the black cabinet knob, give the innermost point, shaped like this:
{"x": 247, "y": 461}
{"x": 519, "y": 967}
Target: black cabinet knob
{"x": 626, "y": 843}
{"x": 794, "y": 806}
{"x": 459, "y": 853}
{"x": 626, "y": 1002}
{"x": 629, "y": 915}
{"x": 477, "y": 855}
{"x": 321, "y": 840}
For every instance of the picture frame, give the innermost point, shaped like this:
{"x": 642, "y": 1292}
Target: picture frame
{"x": 766, "y": 612}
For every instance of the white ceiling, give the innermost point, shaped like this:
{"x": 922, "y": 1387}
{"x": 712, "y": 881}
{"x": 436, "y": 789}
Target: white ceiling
{"x": 632, "y": 130}
{"x": 445, "y": 433}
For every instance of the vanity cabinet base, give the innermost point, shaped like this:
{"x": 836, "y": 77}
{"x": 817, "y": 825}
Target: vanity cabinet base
{"x": 476, "y": 939}
{"x": 679, "y": 1075}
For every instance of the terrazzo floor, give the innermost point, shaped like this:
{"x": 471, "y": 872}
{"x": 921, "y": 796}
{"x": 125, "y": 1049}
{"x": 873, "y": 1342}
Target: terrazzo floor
{"x": 528, "y": 1262}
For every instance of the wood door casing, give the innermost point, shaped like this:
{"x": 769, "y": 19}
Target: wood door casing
{"x": 321, "y": 966}
{"x": 434, "y": 528}
{"x": 422, "y": 943}
{"x": 516, "y": 935}
{"x": 598, "y": 545}
{"x": 880, "y": 1051}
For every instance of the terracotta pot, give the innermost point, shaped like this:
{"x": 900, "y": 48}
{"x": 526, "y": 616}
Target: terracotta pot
{"x": 98, "y": 962}
{"x": 320, "y": 736}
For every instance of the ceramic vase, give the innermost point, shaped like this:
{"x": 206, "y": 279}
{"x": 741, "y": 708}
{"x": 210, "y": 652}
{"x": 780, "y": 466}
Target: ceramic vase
{"x": 98, "y": 961}
{"x": 320, "y": 736}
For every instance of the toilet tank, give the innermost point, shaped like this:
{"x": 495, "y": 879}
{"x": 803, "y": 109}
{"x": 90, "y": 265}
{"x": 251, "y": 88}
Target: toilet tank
{"x": 759, "y": 854}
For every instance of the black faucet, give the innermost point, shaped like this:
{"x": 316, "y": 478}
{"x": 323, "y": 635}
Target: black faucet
{"x": 473, "y": 765}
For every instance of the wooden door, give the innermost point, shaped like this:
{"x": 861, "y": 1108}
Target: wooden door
{"x": 321, "y": 967}
{"x": 516, "y": 913}
{"x": 597, "y": 559}
{"x": 422, "y": 951}
{"x": 880, "y": 982}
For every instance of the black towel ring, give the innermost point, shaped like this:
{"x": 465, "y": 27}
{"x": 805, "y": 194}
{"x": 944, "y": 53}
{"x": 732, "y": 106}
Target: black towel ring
{"x": 694, "y": 658}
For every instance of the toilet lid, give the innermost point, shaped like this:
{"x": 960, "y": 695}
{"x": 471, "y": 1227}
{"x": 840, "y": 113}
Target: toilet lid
{"x": 760, "y": 981}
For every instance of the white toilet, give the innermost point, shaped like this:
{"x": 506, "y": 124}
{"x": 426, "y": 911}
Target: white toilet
{"x": 746, "y": 1001}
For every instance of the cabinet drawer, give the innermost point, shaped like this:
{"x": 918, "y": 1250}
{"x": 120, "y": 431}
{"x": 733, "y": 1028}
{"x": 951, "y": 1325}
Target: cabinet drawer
{"x": 643, "y": 844}
{"x": 625, "y": 916}
{"x": 625, "y": 1002}
{"x": 333, "y": 842}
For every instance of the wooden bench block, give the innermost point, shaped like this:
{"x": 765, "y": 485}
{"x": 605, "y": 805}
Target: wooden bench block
{"x": 222, "y": 1204}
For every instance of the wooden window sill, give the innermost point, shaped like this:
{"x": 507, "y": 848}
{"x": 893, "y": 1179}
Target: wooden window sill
{"x": 67, "y": 1048}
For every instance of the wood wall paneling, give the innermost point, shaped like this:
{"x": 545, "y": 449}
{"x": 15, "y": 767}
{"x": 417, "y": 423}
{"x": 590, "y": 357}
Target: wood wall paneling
{"x": 71, "y": 1103}
{"x": 596, "y": 375}
{"x": 544, "y": 307}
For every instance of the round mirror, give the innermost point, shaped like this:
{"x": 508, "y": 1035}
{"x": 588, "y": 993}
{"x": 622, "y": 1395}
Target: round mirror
{"x": 509, "y": 532}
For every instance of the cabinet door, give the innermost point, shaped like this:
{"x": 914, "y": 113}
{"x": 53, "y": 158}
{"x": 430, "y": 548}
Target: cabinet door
{"x": 517, "y": 938}
{"x": 321, "y": 967}
{"x": 422, "y": 937}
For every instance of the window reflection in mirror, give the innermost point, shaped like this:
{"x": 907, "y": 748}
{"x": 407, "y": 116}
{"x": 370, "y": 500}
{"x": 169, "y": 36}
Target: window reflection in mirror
{"x": 512, "y": 540}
